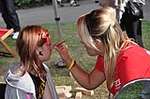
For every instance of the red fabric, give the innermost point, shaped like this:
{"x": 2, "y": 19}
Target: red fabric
{"x": 100, "y": 64}
{"x": 132, "y": 63}
{"x": 3, "y": 31}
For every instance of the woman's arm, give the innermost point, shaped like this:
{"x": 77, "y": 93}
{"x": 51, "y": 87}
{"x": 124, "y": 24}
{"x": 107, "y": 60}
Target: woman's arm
{"x": 87, "y": 80}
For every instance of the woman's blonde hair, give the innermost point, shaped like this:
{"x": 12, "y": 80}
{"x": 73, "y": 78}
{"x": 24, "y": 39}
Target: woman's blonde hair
{"x": 101, "y": 24}
{"x": 29, "y": 39}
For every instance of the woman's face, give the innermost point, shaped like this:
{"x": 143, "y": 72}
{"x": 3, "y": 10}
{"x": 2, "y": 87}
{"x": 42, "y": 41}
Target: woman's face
{"x": 92, "y": 51}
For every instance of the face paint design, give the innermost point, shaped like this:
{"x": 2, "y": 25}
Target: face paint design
{"x": 45, "y": 39}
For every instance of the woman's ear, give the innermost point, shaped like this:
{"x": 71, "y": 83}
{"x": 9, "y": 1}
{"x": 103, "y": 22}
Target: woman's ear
{"x": 97, "y": 42}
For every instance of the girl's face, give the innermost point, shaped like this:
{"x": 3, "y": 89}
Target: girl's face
{"x": 46, "y": 50}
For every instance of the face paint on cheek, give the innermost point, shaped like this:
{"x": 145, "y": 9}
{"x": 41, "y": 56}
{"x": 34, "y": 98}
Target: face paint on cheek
{"x": 47, "y": 39}
{"x": 48, "y": 42}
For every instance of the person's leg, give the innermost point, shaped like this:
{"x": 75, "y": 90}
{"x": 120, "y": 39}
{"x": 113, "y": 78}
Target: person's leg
{"x": 136, "y": 30}
{"x": 71, "y": 1}
{"x": 4, "y": 11}
{"x": 126, "y": 25}
{"x": 74, "y": 3}
{"x": 60, "y": 3}
{"x": 133, "y": 27}
{"x": 133, "y": 30}
{"x": 123, "y": 22}
{"x": 139, "y": 33}
{"x": 145, "y": 94}
{"x": 96, "y": 1}
{"x": 9, "y": 15}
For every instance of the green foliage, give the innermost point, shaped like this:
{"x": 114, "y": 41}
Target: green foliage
{"x": 146, "y": 34}
{"x": 22, "y": 2}
{"x": 31, "y": 3}
{"x": 132, "y": 91}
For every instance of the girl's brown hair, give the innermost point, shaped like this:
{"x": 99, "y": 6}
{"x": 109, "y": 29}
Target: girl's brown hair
{"x": 29, "y": 39}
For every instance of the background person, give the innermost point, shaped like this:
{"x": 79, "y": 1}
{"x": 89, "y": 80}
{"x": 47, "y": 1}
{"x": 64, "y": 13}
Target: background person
{"x": 96, "y": 1}
{"x": 73, "y": 3}
{"x": 116, "y": 54}
{"x": 132, "y": 24}
{"x": 10, "y": 16}
{"x": 116, "y": 4}
{"x": 31, "y": 79}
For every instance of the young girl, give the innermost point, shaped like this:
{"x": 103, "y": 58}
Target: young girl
{"x": 30, "y": 79}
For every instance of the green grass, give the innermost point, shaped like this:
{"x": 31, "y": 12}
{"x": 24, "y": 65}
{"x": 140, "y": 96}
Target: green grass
{"x": 61, "y": 75}
{"x": 146, "y": 34}
{"x": 132, "y": 91}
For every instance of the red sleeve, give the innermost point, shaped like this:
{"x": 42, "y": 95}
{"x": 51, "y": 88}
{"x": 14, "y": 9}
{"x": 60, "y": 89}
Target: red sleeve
{"x": 100, "y": 63}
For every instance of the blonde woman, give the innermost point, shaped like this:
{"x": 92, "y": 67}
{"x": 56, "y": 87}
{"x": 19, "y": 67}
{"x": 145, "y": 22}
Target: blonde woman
{"x": 30, "y": 79}
{"x": 117, "y": 56}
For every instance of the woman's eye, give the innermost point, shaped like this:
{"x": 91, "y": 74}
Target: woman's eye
{"x": 81, "y": 42}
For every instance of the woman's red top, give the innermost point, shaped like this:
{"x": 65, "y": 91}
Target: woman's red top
{"x": 132, "y": 63}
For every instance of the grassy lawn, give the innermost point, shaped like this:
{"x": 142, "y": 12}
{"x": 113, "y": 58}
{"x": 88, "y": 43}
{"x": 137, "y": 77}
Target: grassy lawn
{"x": 61, "y": 75}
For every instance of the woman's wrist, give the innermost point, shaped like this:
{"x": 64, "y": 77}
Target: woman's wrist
{"x": 71, "y": 65}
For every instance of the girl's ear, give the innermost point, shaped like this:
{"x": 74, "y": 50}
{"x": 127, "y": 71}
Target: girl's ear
{"x": 39, "y": 51}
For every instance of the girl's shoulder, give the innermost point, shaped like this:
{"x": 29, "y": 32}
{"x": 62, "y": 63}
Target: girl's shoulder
{"x": 46, "y": 67}
{"x": 16, "y": 69}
